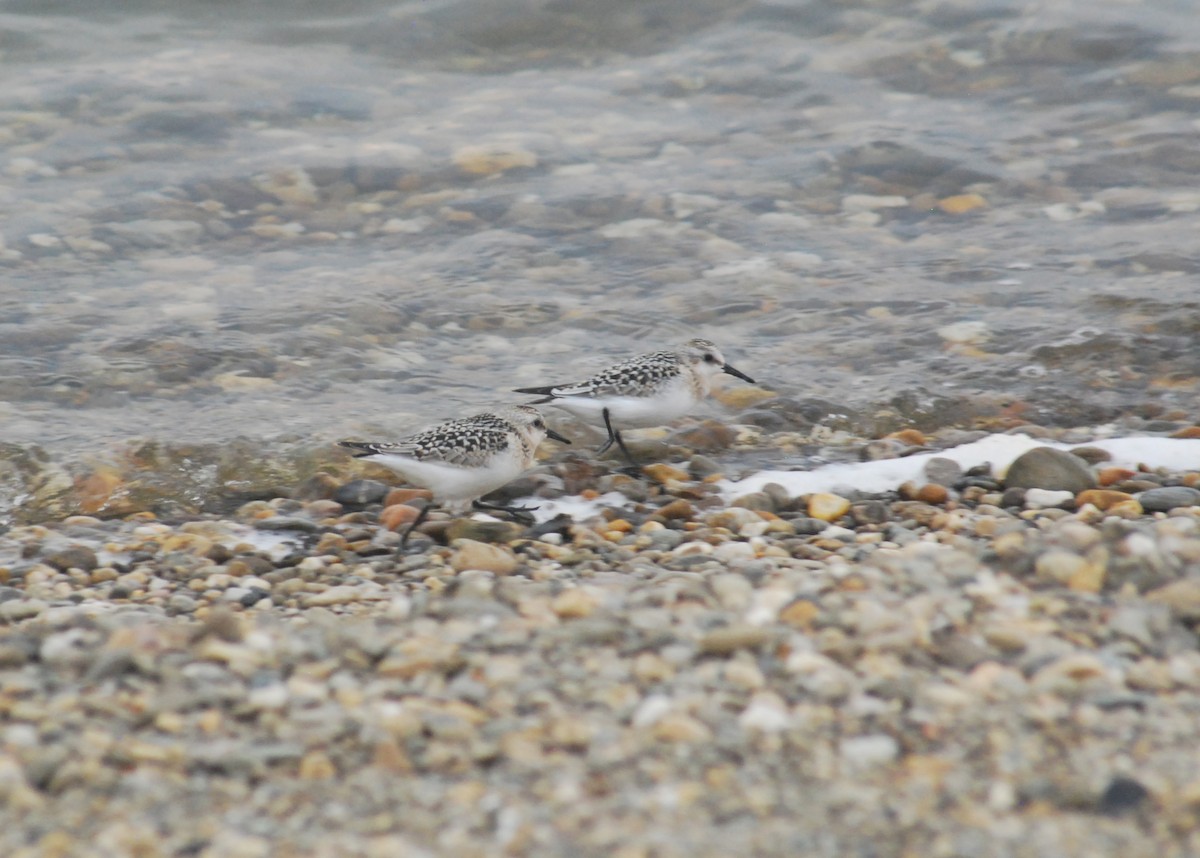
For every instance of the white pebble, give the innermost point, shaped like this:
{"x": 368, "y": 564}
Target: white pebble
{"x": 766, "y": 712}
{"x": 864, "y": 752}
{"x": 1046, "y": 499}
{"x": 651, "y": 710}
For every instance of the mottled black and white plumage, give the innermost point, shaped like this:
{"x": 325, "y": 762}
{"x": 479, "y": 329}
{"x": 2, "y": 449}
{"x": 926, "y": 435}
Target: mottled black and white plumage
{"x": 647, "y": 390}
{"x": 462, "y": 460}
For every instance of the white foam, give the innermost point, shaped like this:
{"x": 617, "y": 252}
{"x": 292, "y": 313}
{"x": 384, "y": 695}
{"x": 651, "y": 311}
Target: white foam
{"x": 999, "y": 450}
{"x": 887, "y": 474}
{"x": 576, "y": 507}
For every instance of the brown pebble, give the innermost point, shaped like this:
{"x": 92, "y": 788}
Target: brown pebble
{"x": 912, "y": 437}
{"x": 103, "y": 490}
{"x": 800, "y": 613}
{"x": 316, "y": 766}
{"x": 1187, "y": 432}
{"x": 330, "y": 542}
{"x": 738, "y": 397}
{"x": 827, "y": 507}
{"x": 678, "y": 509}
{"x": 391, "y": 757}
{"x": 677, "y": 727}
{"x": 1131, "y": 508}
{"x": 1181, "y": 597}
{"x": 480, "y": 531}
{"x": 1107, "y": 476}
{"x": 661, "y": 473}
{"x": 317, "y": 487}
{"x": 470, "y": 554}
{"x": 707, "y": 436}
{"x": 732, "y": 638}
{"x": 1101, "y": 499}
{"x": 1092, "y": 455}
{"x": 574, "y": 603}
{"x": 759, "y": 501}
{"x": 932, "y": 493}
{"x": 1088, "y": 579}
{"x": 75, "y": 557}
{"x": 961, "y": 203}
{"x": 222, "y": 623}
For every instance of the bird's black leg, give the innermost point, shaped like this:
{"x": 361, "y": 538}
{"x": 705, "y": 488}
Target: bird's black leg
{"x": 612, "y": 436}
{"x": 421, "y": 516}
{"x": 615, "y": 435}
{"x": 520, "y": 513}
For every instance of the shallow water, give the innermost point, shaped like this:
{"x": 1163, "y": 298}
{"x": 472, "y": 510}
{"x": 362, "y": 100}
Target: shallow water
{"x": 360, "y": 217}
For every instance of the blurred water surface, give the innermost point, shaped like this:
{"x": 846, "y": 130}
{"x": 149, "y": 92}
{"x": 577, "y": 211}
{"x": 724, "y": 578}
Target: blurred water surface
{"x": 311, "y": 219}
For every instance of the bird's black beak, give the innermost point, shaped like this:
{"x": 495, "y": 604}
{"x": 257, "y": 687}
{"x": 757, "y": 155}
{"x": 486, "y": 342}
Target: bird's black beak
{"x": 550, "y": 433}
{"x": 737, "y": 373}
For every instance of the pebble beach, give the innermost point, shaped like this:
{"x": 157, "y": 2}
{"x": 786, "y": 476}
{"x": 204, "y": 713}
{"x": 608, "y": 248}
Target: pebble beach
{"x": 963, "y": 665}
{"x": 930, "y": 588}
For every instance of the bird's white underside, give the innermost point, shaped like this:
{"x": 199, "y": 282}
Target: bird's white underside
{"x": 634, "y": 412}
{"x": 453, "y": 484}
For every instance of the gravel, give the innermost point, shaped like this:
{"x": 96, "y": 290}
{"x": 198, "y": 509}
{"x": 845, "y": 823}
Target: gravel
{"x": 671, "y": 675}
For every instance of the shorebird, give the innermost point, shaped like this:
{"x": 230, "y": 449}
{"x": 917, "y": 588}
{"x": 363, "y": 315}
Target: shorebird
{"x": 462, "y": 460}
{"x": 647, "y": 390}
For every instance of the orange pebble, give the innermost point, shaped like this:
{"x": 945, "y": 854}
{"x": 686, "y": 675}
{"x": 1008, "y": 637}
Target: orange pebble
{"x": 800, "y": 613}
{"x": 1101, "y": 499}
{"x": 1108, "y": 476}
{"x": 397, "y": 515}
{"x": 932, "y": 493}
{"x": 396, "y": 496}
{"x": 912, "y": 437}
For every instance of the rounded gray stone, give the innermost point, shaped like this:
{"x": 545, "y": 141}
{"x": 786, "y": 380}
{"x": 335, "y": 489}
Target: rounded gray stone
{"x": 943, "y": 471}
{"x": 1051, "y": 469}
{"x": 1168, "y": 498}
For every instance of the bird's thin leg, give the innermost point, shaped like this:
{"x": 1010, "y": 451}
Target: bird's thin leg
{"x": 520, "y": 513}
{"x": 615, "y": 435}
{"x": 421, "y": 516}
{"x": 612, "y": 436}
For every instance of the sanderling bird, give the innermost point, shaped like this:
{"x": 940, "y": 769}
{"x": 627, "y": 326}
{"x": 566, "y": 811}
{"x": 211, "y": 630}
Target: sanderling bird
{"x": 647, "y": 390}
{"x": 462, "y": 460}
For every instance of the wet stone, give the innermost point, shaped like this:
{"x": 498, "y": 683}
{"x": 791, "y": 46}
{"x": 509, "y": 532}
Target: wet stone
{"x": 870, "y": 512}
{"x": 483, "y": 531}
{"x": 1050, "y": 469}
{"x": 943, "y": 472}
{"x": 1168, "y": 498}
{"x": 75, "y": 557}
{"x": 756, "y": 501}
{"x": 1122, "y": 795}
{"x": 361, "y": 492}
{"x": 699, "y": 467}
{"x": 287, "y": 523}
{"x": 1013, "y": 497}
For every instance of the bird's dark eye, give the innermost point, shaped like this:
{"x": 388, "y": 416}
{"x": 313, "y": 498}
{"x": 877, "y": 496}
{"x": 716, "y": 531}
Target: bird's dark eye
{"x": 709, "y": 357}
{"x": 539, "y": 424}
